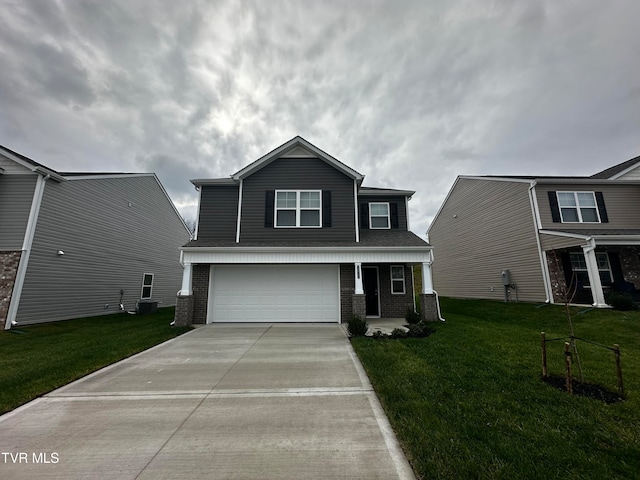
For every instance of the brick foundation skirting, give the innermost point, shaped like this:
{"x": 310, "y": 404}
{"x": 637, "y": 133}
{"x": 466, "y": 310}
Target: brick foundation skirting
{"x": 359, "y": 302}
{"x": 184, "y": 311}
{"x": 429, "y": 311}
{"x": 200, "y": 285}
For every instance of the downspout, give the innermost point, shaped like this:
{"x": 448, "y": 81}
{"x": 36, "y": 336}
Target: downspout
{"x": 26, "y": 251}
{"x": 428, "y": 285}
{"x": 546, "y": 280}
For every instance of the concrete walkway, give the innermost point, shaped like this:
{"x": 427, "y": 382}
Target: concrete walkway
{"x": 221, "y": 402}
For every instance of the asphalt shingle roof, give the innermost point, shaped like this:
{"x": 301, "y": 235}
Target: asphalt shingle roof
{"x": 368, "y": 238}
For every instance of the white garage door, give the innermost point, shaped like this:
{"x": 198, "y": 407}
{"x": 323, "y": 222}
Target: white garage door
{"x": 270, "y": 293}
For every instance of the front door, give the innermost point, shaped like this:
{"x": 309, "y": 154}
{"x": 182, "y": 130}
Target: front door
{"x": 370, "y": 284}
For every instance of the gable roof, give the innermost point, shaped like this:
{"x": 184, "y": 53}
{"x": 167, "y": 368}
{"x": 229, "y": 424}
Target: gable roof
{"x": 618, "y": 170}
{"x": 297, "y": 147}
{"x": 30, "y": 164}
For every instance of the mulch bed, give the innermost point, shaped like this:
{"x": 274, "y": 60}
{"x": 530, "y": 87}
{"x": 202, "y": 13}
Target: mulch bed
{"x": 590, "y": 390}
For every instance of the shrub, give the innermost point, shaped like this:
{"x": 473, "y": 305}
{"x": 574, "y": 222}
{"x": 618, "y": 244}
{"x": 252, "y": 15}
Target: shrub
{"x": 357, "y": 326}
{"x": 398, "y": 333}
{"x": 417, "y": 330}
{"x": 420, "y": 330}
{"x": 412, "y": 317}
{"x": 620, "y": 301}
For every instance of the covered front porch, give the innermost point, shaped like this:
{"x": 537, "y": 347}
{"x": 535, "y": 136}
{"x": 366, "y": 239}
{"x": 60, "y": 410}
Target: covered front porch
{"x": 586, "y": 269}
{"x": 383, "y": 290}
{"x": 325, "y": 284}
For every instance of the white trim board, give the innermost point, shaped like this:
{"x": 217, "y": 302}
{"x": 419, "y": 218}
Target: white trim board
{"x": 284, "y": 256}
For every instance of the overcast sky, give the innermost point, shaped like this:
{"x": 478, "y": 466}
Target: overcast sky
{"x": 409, "y": 93}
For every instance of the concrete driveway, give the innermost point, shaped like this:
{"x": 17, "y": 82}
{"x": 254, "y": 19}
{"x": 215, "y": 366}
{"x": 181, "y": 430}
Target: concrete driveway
{"x": 222, "y": 402}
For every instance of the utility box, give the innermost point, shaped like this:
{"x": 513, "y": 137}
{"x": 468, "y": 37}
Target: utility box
{"x": 506, "y": 278}
{"x": 147, "y": 306}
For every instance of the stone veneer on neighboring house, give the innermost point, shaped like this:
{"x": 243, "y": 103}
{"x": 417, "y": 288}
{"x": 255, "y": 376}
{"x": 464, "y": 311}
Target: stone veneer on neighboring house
{"x": 9, "y": 262}
{"x": 629, "y": 260}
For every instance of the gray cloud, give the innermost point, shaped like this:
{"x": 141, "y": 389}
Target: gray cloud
{"x": 409, "y": 93}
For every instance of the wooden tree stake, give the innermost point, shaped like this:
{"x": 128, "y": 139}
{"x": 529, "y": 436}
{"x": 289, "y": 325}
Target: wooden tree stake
{"x": 567, "y": 363}
{"x": 544, "y": 356}
{"x": 616, "y": 349}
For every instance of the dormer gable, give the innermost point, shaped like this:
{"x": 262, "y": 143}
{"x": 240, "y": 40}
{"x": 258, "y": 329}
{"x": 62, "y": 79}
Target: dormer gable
{"x": 299, "y": 148}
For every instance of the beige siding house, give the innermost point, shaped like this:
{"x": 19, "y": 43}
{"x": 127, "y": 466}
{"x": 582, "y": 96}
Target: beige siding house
{"x": 530, "y": 238}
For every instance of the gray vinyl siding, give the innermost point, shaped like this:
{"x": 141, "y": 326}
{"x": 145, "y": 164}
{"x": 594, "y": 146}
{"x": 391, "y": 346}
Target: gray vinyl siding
{"x": 11, "y": 167}
{"x": 493, "y": 230}
{"x": 297, "y": 174}
{"x": 16, "y": 196}
{"x": 218, "y": 212}
{"x": 400, "y": 200}
{"x": 112, "y": 231}
{"x": 621, "y": 202}
{"x": 631, "y": 175}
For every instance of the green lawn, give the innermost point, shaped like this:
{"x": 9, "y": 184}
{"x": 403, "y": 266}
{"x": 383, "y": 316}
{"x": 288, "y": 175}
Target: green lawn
{"x": 37, "y": 359}
{"x": 469, "y": 402}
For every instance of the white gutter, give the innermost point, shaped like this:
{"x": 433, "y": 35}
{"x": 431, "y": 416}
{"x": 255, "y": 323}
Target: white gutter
{"x": 546, "y": 275}
{"x": 565, "y": 234}
{"x": 26, "y": 251}
{"x": 617, "y": 239}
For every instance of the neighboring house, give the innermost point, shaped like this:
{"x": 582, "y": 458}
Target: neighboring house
{"x": 547, "y": 232}
{"x": 71, "y": 242}
{"x": 295, "y": 237}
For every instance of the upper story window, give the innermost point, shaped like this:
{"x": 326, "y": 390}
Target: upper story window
{"x": 379, "y": 215}
{"x": 298, "y": 208}
{"x": 578, "y": 207}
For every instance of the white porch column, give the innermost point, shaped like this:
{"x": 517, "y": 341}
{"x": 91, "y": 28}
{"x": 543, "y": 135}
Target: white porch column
{"x": 186, "y": 280}
{"x": 427, "y": 279}
{"x": 594, "y": 276}
{"x": 359, "y": 287}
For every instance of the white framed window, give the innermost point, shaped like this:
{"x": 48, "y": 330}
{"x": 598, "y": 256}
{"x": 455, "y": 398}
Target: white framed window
{"x": 147, "y": 285}
{"x": 578, "y": 207}
{"x": 397, "y": 280}
{"x": 604, "y": 268}
{"x": 579, "y": 266}
{"x": 379, "y": 215}
{"x": 298, "y": 208}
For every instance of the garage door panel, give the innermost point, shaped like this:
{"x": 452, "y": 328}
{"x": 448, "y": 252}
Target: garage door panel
{"x": 289, "y": 293}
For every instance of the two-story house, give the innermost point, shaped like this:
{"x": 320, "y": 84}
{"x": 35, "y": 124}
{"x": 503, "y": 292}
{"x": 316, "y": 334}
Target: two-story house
{"x": 83, "y": 244}
{"x": 535, "y": 238}
{"x": 295, "y": 237}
